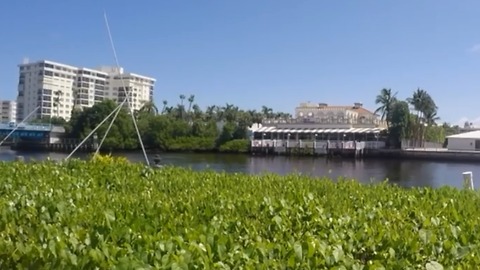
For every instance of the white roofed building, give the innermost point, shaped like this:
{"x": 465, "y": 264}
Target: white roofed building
{"x": 469, "y": 141}
{"x": 320, "y": 122}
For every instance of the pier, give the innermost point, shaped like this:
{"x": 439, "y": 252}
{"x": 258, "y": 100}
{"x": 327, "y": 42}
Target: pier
{"x": 355, "y": 149}
{"x": 60, "y": 145}
{"x": 345, "y": 142}
{"x": 43, "y": 137}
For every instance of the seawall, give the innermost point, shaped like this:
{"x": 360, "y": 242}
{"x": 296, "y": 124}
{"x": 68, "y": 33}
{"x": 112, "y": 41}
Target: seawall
{"x": 439, "y": 154}
{"x": 425, "y": 154}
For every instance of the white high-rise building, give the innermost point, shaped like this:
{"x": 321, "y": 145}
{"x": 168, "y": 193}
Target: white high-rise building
{"x": 8, "y": 111}
{"x": 56, "y": 88}
{"x": 139, "y": 88}
{"x": 46, "y": 85}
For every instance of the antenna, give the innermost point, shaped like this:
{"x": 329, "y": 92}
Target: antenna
{"x": 127, "y": 94}
{"x": 117, "y": 110}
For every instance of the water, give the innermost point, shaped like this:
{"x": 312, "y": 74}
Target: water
{"x": 407, "y": 173}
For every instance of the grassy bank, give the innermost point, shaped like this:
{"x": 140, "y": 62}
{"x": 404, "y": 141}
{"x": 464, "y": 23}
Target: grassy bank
{"x": 109, "y": 213}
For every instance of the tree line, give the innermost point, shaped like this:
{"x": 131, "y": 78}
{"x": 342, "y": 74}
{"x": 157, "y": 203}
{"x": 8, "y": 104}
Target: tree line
{"x": 185, "y": 126}
{"x": 414, "y": 119}
{"x": 178, "y": 127}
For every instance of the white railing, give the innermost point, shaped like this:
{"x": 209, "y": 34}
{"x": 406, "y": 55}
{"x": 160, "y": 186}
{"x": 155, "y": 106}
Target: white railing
{"x": 318, "y": 144}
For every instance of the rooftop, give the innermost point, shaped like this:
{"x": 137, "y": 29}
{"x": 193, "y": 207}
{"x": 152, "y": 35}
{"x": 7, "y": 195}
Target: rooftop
{"x": 467, "y": 135}
{"x": 270, "y": 129}
{"x": 356, "y": 107}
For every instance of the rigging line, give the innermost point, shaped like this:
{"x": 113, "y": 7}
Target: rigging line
{"x": 95, "y": 129}
{"x": 127, "y": 92}
{"x": 107, "y": 131}
{"x": 18, "y": 125}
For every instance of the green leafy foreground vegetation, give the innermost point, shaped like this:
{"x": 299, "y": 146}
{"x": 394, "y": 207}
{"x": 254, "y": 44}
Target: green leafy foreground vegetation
{"x": 108, "y": 213}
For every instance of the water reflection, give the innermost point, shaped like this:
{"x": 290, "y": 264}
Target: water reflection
{"x": 404, "y": 173}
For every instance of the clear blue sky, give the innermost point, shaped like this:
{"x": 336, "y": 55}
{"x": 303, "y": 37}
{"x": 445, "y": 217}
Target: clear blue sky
{"x": 262, "y": 52}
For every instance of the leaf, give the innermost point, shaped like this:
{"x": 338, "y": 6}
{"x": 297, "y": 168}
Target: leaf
{"x": 338, "y": 254}
{"x": 433, "y": 265}
{"x": 298, "y": 250}
{"x": 391, "y": 252}
{"x": 423, "y": 234}
{"x": 109, "y": 217}
{"x": 311, "y": 248}
{"x": 278, "y": 220}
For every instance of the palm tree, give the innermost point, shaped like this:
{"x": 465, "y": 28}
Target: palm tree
{"x": 149, "y": 107}
{"x": 230, "y": 112}
{"x": 219, "y": 113}
{"x": 210, "y": 113}
{"x": 169, "y": 110}
{"x": 181, "y": 108}
{"x": 56, "y": 102}
{"x": 197, "y": 112}
{"x": 416, "y": 101}
{"x": 386, "y": 100}
{"x": 182, "y": 98}
{"x": 164, "y": 106}
{"x": 431, "y": 118}
{"x": 267, "y": 112}
{"x": 191, "y": 98}
{"x": 255, "y": 116}
{"x": 424, "y": 105}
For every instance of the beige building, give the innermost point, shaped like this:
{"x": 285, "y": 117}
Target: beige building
{"x": 56, "y": 88}
{"x": 140, "y": 88}
{"x": 90, "y": 87}
{"x": 324, "y": 114}
{"x": 8, "y": 111}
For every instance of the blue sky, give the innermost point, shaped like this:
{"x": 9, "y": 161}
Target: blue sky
{"x": 262, "y": 52}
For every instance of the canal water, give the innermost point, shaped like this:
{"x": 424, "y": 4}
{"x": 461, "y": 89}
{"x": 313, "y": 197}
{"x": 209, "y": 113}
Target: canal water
{"x": 407, "y": 173}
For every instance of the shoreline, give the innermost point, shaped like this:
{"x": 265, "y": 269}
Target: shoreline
{"x": 117, "y": 151}
{"x": 400, "y": 154}
{"x": 428, "y": 154}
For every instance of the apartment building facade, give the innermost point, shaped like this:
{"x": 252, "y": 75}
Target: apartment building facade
{"x": 120, "y": 84}
{"x": 53, "y": 89}
{"x": 8, "y": 111}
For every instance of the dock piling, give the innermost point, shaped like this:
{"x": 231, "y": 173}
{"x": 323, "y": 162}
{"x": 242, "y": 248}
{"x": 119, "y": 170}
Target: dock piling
{"x": 468, "y": 180}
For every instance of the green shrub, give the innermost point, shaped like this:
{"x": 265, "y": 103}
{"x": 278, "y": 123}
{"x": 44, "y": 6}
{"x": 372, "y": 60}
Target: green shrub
{"x": 191, "y": 144}
{"x": 236, "y": 146}
{"x": 108, "y": 213}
